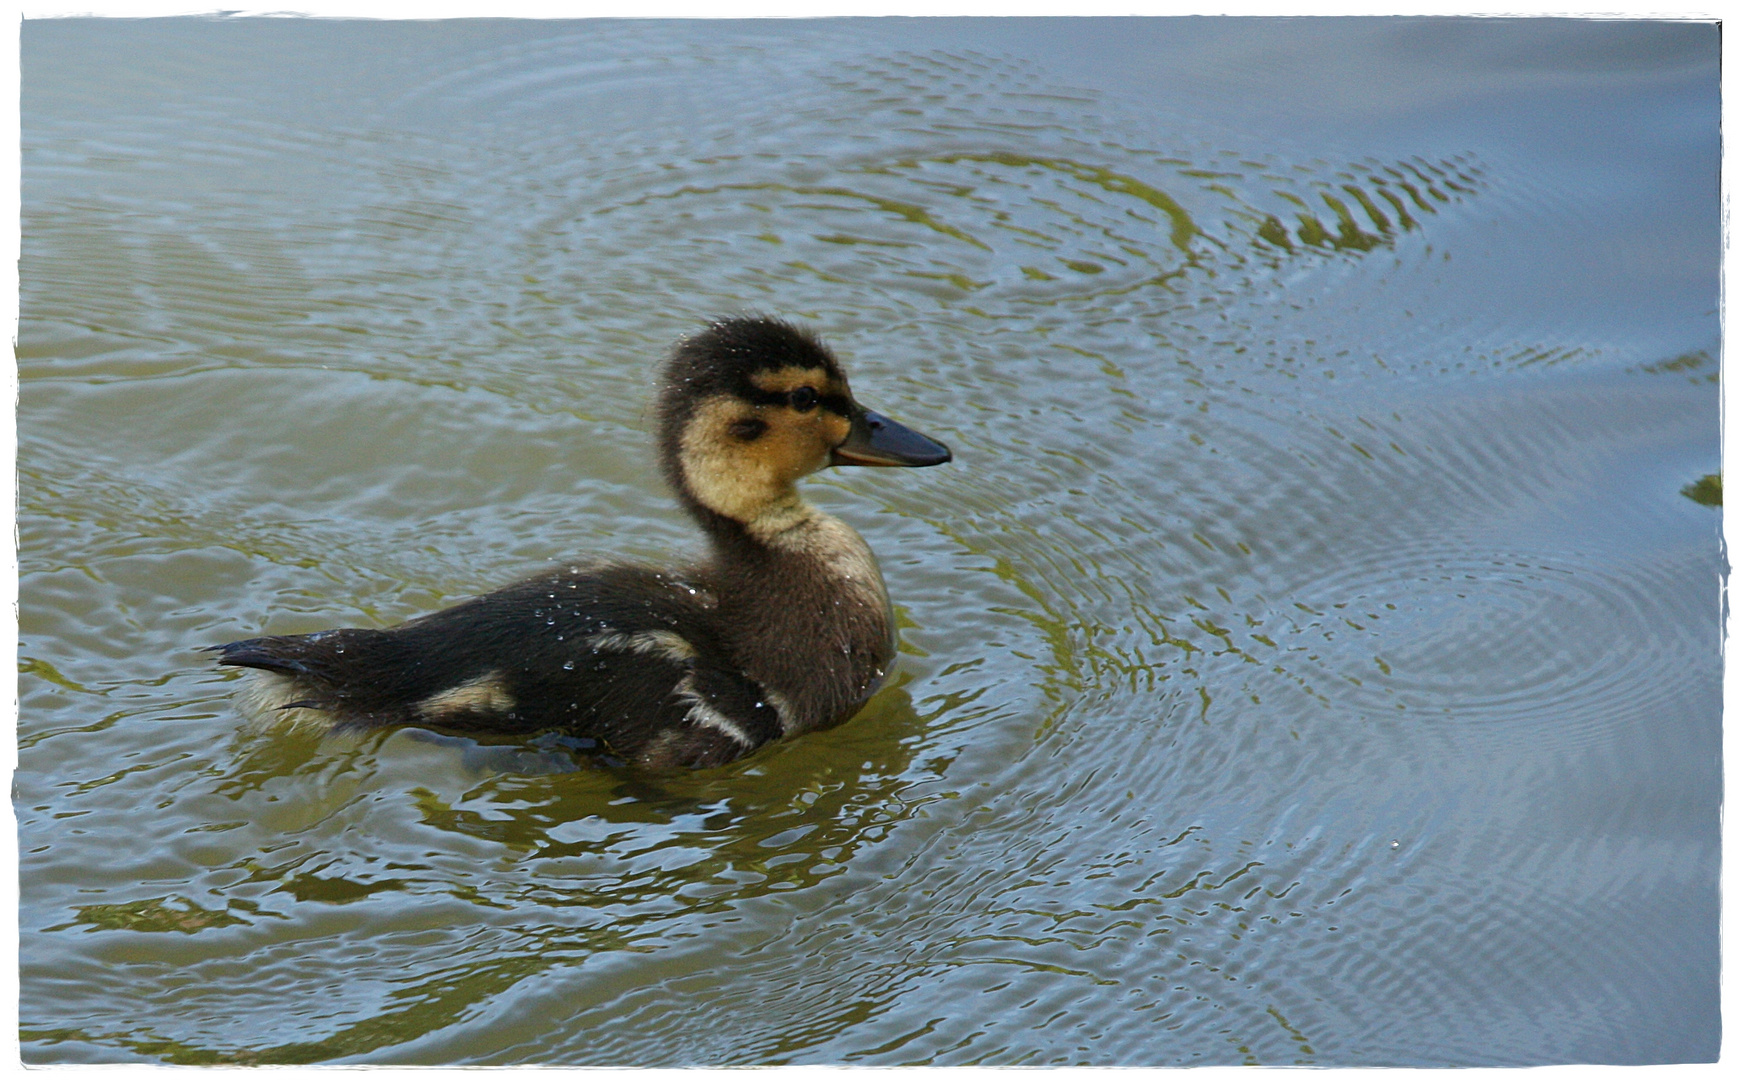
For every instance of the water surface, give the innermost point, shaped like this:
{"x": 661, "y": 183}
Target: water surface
{"x": 1310, "y": 657}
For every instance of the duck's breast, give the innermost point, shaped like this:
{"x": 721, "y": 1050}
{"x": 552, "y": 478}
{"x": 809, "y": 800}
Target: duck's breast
{"x": 812, "y": 622}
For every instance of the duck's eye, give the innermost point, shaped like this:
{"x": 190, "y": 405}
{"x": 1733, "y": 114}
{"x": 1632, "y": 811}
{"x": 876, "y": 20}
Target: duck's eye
{"x": 748, "y": 429}
{"x": 803, "y": 399}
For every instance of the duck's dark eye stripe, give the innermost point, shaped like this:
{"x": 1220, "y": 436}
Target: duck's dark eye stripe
{"x": 803, "y": 399}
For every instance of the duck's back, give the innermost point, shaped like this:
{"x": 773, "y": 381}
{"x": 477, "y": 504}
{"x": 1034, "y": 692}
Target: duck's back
{"x": 624, "y": 654}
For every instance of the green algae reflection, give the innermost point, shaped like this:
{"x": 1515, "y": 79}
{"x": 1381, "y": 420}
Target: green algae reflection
{"x": 1707, "y": 491}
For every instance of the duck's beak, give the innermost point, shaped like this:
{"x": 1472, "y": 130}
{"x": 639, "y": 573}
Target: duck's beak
{"x": 877, "y": 440}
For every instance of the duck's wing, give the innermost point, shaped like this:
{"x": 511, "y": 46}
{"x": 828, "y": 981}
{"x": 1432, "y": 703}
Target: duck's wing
{"x": 625, "y": 655}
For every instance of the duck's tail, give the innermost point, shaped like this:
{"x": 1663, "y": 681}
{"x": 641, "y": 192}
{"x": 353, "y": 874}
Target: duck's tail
{"x": 280, "y": 654}
{"x": 358, "y": 678}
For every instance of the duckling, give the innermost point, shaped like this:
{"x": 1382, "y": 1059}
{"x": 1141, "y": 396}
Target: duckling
{"x": 786, "y": 626}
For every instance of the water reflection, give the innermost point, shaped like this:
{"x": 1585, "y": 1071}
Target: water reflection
{"x": 1706, "y": 490}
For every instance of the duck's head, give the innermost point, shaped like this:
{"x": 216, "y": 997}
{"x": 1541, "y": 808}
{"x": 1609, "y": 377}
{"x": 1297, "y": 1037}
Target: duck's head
{"x": 750, "y": 405}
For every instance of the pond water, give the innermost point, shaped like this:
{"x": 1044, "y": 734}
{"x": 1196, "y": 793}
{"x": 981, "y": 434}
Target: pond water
{"x": 1312, "y": 655}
